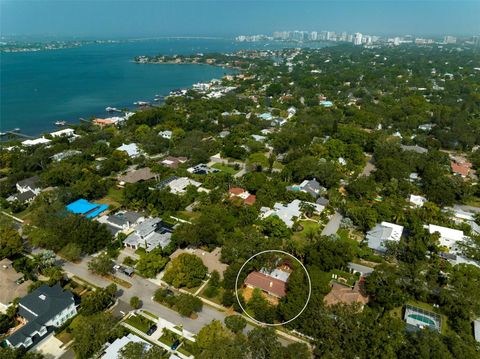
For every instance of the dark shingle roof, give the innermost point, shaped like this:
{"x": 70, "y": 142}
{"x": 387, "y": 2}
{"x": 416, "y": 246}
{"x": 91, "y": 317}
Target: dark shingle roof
{"x": 24, "y": 196}
{"x": 46, "y": 302}
{"x": 31, "y": 182}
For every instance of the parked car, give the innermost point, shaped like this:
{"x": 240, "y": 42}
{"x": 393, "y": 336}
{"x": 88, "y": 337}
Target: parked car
{"x": 152, "y": 330}
{"x": 128, "y": 271}
{"x": 117, "y": 267}
{"x": 175, "y": 345}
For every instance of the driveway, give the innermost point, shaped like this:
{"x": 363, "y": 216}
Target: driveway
{"x": 332, "y": 225}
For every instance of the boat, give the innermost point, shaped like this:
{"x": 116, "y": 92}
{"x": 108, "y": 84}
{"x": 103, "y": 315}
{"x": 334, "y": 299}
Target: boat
{"x": 112, "y": 109}
{"x": 141, "y": 103}
{"x": 16, "y": 129}
{"x": 60, "y": 123}
{"x": 3, "y": 133}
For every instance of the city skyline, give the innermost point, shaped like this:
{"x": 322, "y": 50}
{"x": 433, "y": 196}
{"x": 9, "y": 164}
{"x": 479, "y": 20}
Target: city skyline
{"x": 231, "y": 18}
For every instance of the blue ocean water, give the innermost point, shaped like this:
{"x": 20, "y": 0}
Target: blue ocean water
{"x": 39, "y": 88}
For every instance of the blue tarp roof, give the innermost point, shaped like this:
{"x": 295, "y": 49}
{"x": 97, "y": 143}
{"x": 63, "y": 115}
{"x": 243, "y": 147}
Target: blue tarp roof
{"x": 84, "y": 207}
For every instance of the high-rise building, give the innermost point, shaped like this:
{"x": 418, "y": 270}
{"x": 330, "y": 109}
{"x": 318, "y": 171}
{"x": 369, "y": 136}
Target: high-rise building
{"x": 357, "y": 38}
{"x": 450, "y": 39}
{"x": 314, "y": 36}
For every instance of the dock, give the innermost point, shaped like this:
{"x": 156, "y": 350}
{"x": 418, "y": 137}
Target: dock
{"x": 19, "y": 134}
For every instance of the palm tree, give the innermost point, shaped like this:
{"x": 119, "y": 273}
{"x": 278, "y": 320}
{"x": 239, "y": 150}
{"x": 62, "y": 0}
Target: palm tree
{"x": 307, "y": 208}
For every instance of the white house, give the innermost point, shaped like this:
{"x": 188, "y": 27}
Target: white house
{"x": 166, "y": 134}
{"x": 113, "y": 351}
{"x": 383, "y": 233}
{"x": 179, "y": 185}
{"x": 37, "y": 141}
{"x": 67, "y": 132}
{"x": 448, "y": 237}
{"x": 417, "y": 201}
{"x": 131, "y": 149}
{"x": 288, "y": 212}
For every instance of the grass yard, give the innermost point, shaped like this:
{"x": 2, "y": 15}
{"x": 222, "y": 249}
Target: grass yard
{"x": 118, "y": 281}
{"x": 150, "y": 314}
{"x": 113, "y": 198}
{"x": 225, "y": 168}
{"x": 309, "y": 228}
{"x": 140, "y": 322}
{"x": 216, "y": 299}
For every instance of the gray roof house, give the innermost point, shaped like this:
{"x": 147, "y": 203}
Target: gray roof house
{"x": 308, "y": 186}
{"x": 361, "y": 269}
{"x": 149, "y": 235}
{"x": 29, "y": 184}
{"x": 44, "y": 309}
{"x": 22, "y": 197}
{"x": 416, "y": 148}
{"x": 382, "y": 233}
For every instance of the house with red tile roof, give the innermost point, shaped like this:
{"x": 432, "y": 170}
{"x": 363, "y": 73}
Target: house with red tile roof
{"x": 237, "y": 192}
{"x": 462, "y": 169}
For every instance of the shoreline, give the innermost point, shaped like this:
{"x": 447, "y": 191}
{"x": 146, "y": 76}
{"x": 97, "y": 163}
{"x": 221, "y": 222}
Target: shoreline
{"x": 52, "y": 127}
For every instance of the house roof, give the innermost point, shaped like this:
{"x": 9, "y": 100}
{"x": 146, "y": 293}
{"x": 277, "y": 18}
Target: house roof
{"x": 113, "y": 350}
{"x": 250, "y": 200}
{"x": 345, "y": 295}
{"x": 9, "y": 289}
{"x": 39, "y": 307}
{"x": 236, "y": 190}
{"x": 24, "y": 196}
{"x": 383, "y": 232}
{"x": 142, "y": 174}
{"x": 131, "y": 216}
{"x": 266, "y": 283}
{"x": 31, "y": 182}
{"x": 131, "y": 149}
{"x": 416, "y": 148}
{"x": 460, "y": 169}
{"x": 363, "y": 270}
{"x": 173, "y": 162}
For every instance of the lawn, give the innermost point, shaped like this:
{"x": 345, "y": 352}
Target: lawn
{"x": 309, "y": 228}
{"x": 216, "y": 299}
{"x": 150, "y": 314}
{"x": 118, "y": 281}
{"x": 140, "y": 322}
{"x": 225, "y": 168}
{"x": 113, "y": 198}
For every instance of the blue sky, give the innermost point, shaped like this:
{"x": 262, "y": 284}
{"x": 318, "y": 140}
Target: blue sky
{"x": 126, "y": 18}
